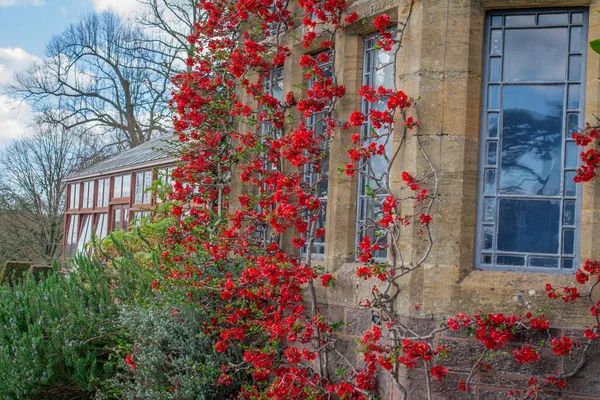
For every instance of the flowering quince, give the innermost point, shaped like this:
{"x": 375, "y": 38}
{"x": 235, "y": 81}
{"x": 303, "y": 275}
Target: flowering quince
{"x": 526, "y": 354}
{"x": 351, "y": 18}
{"x": 356, "y": 118}
{"x": 129, "y": 361}
{"x": 439, "y": 372}
{"x": 381, "y": 22}
{"x": 265, "y": 296}
{"x": 327, "y": 280}
{"x": 425, "y": 219}
{"x": 562, "y": 347}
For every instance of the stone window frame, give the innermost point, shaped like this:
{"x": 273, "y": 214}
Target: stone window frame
{"x": 274, "y": 77}
{"x": 493, "y": 15}
{"x": 368, "y": 69}
{"x": 318, "y": 252}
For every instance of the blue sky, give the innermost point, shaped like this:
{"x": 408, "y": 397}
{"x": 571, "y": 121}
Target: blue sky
{"x": 29, "y": 27}
{"x": 25, "y": 28}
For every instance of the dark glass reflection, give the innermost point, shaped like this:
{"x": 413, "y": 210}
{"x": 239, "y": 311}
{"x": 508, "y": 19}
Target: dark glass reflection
{"x": 553, "y": 19}
{"x": 530, "y": 226}
{"x": 510, "y": 260}
{"x": 544, "y": 262}
{"x": 520, "y": 20}
{"x": 531, "y": 140}
{"x": 535, "y": 54}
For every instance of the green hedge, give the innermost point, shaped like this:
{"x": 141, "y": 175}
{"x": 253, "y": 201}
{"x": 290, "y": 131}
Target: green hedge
{"x": 14, "y": 271}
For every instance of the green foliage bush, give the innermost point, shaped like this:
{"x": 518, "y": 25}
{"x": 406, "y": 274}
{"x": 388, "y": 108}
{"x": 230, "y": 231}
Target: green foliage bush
{"x": 58, "y": 336}
{"x": 173, "y": 358}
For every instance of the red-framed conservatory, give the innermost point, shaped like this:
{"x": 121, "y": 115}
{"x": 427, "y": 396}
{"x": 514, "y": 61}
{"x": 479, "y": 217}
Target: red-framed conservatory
{"x": 111, "y": 194}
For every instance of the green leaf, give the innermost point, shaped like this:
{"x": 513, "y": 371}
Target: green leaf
{"x": 595, "y": 45}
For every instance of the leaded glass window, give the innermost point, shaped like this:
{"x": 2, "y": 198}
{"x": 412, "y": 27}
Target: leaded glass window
{"x": 378, "y": 70}
{"x": 533, "y": 101}
{"x": 317, "y": 123}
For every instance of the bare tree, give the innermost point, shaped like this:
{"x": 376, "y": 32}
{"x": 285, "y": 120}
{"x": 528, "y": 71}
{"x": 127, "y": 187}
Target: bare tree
{"x": 169, "y": 23}
{"x": 32, "y": 190}
{"x": 103, "y": 75}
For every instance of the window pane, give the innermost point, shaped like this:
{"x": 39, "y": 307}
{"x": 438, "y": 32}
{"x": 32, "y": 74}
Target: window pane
{"x": 118, "y": 189}
{"x": 102, "y": 226}
{"x": 490, "y": 181}
{"x": 568, "y": 241}
{"x": 531, "y": 140}
{"x": 572, "y": 124}
{"x": 489, "y": 209}
{"x": 86, "y": 232}
{"x": 520, "y": 20}
{"x": 569, "y": 212}
{"x": 571, "y": 157}
{"x": 384, "y": 69}
{"x": 86, "y": 187}
{"x": 492, "y": 153}
{"x": 494, "y": 97}
{"x": 139, "y": 187}
{"x": 543, "y": 262}
{"x": 576, "y": 34}
{"x": 125, "y": 217}
{"x": 495, "y": 69}
{"x": 100, "y": 193}
{"x": 530, "y": 226}
{"x": 486, "y": 259}
{"x": 573, "y": 96}
{"x": 147, "y": 184}
{"x": 493, "y": 125}
{"x": 510, "y": 261}
{"x": 497, "y": 20}
{"x": 126, "y": 185}
{"x": 496, "y": 47}
{"x": 575, "y": 68}
{"x": 567, "y": 263}
{"x": 117, "y": 218}
{"x": 488, "y": 237}
{"x": 570, "y": 186}
{"x": 106, "y": 192}
{"x": 553, "y": 19}
{"x": 577, "y": 18}
{"x": 535, "y": 54}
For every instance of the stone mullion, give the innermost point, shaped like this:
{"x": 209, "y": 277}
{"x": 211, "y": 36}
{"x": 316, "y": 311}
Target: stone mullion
{"x": 340, "y": 231}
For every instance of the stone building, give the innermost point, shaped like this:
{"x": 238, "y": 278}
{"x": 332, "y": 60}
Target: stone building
{"x": 501, "y": 86}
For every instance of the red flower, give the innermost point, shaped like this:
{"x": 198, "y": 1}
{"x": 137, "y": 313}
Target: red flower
{"x": 298, "y": 242}
{"x": 526, "y": 354}
{"x": 129, "y": 361}
{"x": 590, "y": 334}
{"x": 221, "y": 346}
{"x": 381, "y": 22}
{"x": 351, "y": 18}
{"x": 425, "y": 219}
{"x": 327, "y": 280}
{"x": 562, "y": 347}
{"x": 293, "y": 355}
{"x": 439, "y": 372}
{"x": 356, "y": 118}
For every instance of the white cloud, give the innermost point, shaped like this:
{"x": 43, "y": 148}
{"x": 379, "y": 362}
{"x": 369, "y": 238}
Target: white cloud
{"x": 63, "y": 11}
{"x": 11, "y": 3}
{"x": 13, "y": 59}
{"x": 122, "y": 7}
{"x": 14, "y": 116}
